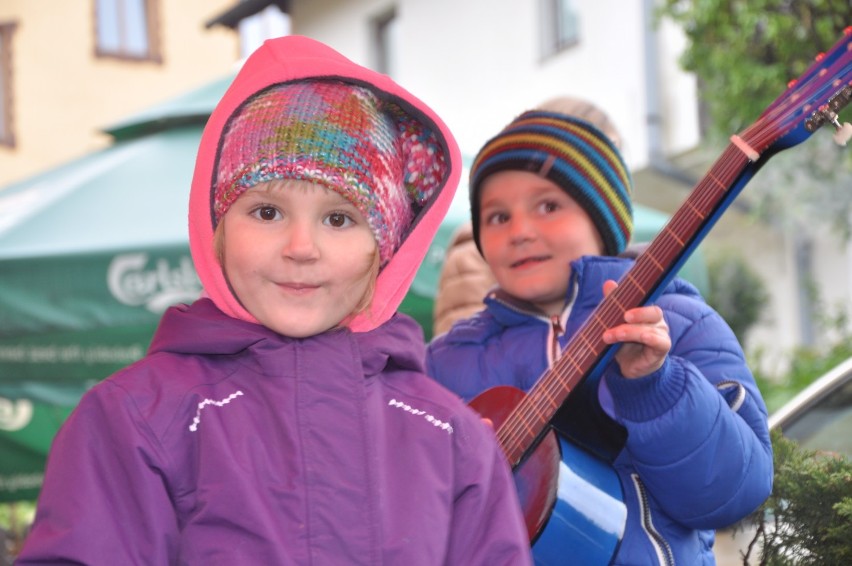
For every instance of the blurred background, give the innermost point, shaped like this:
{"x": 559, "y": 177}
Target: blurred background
{"x": 102, "y": 103}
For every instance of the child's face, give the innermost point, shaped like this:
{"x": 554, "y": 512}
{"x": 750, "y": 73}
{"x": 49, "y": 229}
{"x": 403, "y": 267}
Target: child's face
{"x": 298, "y": 256}
{"x": 530, "y": 229}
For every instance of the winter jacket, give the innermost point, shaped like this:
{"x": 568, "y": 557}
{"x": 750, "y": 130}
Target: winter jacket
{"x": 231, "y": 444}
{"x": 465, "y": 278}
{"x": 689, "y": 443}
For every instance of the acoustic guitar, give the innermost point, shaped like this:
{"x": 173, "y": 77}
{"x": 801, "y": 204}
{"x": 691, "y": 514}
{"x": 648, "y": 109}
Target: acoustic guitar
{"x": 572, "y": 501}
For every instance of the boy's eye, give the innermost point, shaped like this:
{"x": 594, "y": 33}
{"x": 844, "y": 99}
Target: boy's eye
{"x": 338, "y": 220}
{"x": 548, "y": 206}
{"x": 496, "y": 218}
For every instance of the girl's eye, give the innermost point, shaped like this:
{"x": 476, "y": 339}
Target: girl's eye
{"x": 338, "y": 220}
{"x": 266, "y": 213}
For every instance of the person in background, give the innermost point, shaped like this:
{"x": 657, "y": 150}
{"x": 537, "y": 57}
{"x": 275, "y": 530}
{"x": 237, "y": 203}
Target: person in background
{"x": 675, "y": 411}
{"x": 285, "y": 418}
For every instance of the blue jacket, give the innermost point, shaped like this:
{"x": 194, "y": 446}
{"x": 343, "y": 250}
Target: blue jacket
{"x": 690, "y": 442}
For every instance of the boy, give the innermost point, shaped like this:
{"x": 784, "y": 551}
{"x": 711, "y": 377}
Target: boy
{"x": 676, "y": 411}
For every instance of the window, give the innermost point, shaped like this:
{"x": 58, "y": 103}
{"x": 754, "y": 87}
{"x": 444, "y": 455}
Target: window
{"x": 560, "y": 26}
{"x": 7, "y": 134}
{"x": 126, "y": 29}
{"x": 255, "y": 29}
{"x": 385, "y": 30}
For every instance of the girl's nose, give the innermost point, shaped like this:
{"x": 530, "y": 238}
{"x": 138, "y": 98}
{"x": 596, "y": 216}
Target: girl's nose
{"x": 300, "y": 243}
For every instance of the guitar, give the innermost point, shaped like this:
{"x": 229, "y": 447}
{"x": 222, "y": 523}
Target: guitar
{"x": 572, "y": 502}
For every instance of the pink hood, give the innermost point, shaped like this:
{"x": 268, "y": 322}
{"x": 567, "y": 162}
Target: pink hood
{"x": 292, "y": 58}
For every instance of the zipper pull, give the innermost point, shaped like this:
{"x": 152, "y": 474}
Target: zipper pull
{"x": 557, "y": 331}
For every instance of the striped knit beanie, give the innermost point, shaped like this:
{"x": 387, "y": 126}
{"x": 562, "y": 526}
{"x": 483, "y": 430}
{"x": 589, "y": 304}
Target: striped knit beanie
{"x": 573, "y": 154}
{"x": 340, "y": 136}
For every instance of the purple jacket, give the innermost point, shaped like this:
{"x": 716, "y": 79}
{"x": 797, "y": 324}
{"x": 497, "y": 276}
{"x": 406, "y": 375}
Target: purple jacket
{"x": 230, "y": 444}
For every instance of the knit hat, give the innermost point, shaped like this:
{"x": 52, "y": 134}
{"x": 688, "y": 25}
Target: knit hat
{"x": 573, "y": 154}
{"x": 340, "y": 136}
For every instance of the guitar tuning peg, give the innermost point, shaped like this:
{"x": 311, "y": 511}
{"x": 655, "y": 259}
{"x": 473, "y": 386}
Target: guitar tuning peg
{"x": 842, "y": 133}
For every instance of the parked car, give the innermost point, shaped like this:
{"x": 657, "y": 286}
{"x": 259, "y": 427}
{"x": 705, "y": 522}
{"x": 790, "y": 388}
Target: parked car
{"x": 818, "y": 418}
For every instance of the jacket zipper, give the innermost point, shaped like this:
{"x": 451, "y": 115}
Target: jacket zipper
{"x": 556, "y": 331}
{"x": 661, "y": 546}
{"x": 552, "y": 348}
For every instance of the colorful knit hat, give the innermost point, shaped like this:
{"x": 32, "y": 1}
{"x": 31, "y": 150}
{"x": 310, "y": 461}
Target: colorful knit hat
{"x": 573, "y": 154}
{"x": 340, "y": 136}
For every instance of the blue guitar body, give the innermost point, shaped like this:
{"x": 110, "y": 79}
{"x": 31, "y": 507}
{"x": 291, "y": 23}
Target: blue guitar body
{"x": 589, "y": 505}
{"x": 572, "y": 500}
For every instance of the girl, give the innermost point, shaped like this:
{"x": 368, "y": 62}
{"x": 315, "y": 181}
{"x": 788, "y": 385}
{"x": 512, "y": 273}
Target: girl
{"x": 285, "y": 417}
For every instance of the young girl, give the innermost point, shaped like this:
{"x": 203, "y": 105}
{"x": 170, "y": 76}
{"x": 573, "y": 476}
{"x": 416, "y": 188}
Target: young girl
{"x": 675, "y": 411}
{"x": 285, "y": 418}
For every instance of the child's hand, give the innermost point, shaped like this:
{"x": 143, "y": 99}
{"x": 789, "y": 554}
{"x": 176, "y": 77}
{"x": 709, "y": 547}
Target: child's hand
{"x": 644, "y": 336}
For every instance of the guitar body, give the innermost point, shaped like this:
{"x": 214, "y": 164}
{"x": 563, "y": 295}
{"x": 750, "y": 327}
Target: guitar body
{"x": 572, "y": 501}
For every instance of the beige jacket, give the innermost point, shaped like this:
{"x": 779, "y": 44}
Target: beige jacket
{"x": 465, "y": 280}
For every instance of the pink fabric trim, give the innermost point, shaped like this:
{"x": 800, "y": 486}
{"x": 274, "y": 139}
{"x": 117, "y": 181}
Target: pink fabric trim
{"x": 292, "y": 58}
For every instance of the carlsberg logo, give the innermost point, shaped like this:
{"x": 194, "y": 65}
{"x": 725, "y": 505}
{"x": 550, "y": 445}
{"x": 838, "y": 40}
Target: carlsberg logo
{"x": 134, "y": 281}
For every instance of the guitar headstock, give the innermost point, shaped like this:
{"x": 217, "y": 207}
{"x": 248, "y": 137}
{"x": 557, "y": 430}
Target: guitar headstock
{"x": 810, "y": 102}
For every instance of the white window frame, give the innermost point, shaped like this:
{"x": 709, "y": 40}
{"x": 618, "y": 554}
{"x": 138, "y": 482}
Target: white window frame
{"x": 560, "y": 26}
{"x": 127, "y": 29}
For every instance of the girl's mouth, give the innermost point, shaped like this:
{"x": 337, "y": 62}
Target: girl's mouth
{"x": 298, "y": 288}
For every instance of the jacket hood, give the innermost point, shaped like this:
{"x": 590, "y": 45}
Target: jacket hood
{"x": 295, "y": 58}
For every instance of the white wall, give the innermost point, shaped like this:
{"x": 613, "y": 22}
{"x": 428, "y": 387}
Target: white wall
{"x": 477, "y": 62}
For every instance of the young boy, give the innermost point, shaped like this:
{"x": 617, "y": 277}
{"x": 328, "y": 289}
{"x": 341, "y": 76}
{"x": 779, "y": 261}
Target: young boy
{"x": 285, "y": 418}
{"x": 676, "y": 411}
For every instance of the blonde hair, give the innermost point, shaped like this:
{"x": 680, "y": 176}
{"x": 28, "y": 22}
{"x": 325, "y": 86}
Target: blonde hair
{"x": 370, "y": 291}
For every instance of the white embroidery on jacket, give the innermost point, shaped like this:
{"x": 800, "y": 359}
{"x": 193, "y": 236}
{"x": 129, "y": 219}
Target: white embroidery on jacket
{"x": 430, "y": 418}
{"x": 195, "y": 422}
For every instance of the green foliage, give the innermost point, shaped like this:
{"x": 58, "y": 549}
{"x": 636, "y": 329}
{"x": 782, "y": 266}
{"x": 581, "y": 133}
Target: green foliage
{"x": 808, "y": 517}
{"x": 736, "y": 292}
{"x": 746, "y": 51}
{"x": 15, "y": 519}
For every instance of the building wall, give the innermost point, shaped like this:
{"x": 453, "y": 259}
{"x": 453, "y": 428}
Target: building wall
{"x": 63, "y": 94}
{"x": 478, "y": 62}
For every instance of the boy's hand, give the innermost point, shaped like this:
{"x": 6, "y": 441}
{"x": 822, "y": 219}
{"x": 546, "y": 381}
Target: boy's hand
{"x": 644, "y": 336}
